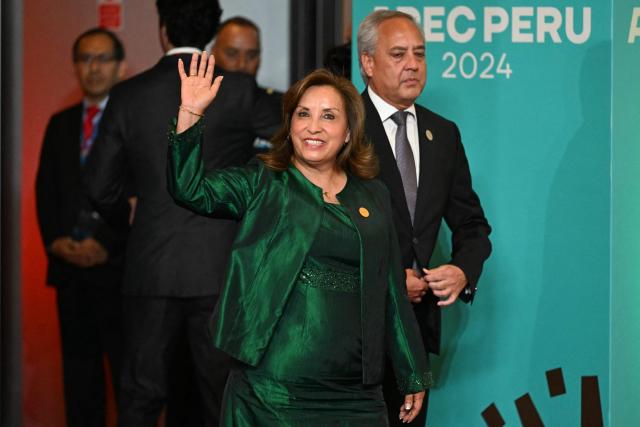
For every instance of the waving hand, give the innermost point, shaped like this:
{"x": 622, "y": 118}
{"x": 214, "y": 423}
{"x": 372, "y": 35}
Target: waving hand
{"x": 198, "y": 89}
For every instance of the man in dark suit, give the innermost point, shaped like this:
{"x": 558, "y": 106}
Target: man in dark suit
{"x": 175, "y": 259}
{"x": 84, "y": 253}
{"x": 424, "y": 165}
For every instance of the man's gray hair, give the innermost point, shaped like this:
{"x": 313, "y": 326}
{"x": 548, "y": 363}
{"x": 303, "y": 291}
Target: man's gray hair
{"x": 368, "y": 33}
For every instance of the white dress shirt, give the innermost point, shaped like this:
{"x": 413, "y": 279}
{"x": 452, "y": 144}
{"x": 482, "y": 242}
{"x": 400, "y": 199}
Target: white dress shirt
{"x": 385, "y": 111}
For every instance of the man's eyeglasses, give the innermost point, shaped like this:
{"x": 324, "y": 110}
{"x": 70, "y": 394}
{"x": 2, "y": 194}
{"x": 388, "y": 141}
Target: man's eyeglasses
{"x": 86, "y": 58}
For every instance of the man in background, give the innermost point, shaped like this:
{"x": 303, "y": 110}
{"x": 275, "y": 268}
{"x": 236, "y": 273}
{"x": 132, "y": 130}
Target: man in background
{"x": 237, "y": 48}
{"x": 423, "y": 163}
{"x": 84, "y": 253}
{"x": 175, "y": 260}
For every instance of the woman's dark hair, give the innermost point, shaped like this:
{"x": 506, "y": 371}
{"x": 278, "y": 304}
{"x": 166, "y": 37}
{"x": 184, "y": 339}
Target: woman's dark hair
{"x": 357, "y": 156}
{"x": 189, "y": 22}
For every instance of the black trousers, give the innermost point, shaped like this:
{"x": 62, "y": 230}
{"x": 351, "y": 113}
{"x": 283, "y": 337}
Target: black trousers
{"x": 156, "y": 331}
{"x": 90, "y": 329}
{"x": 394, "y": 401}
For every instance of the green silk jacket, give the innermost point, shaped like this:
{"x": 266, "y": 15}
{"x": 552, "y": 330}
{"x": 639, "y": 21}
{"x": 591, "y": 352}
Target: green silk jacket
{"x": 280, "y": 213}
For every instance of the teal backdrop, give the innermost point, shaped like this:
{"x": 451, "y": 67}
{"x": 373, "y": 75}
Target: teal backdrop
{"x": 625, "y": 292}
{"x": 530, "y": 86}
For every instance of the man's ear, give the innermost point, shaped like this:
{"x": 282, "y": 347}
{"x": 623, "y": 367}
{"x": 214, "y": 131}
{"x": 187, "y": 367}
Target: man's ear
{"x": 164, "y": 38}
{"x": 122, "y": 70}
{"x": 367, "y": 64}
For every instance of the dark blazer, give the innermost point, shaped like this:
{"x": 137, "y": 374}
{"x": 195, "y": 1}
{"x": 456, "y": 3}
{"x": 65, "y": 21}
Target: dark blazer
{"x": 171, "y": 251}
{"x": 60, "y": 198}
{"x": 444, "y": 192}
{"x": 280, "y": 214}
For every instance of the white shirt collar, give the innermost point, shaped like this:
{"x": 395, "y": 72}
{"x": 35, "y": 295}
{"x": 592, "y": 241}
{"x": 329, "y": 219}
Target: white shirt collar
{"x": 100, "y": 105}
{"x": 386, "y": 110}
{"x": 183, "y": 49}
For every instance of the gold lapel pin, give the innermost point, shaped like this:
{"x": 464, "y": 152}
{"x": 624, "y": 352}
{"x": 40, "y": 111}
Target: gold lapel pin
{"x": 364, "y": 212}
{"x": 429, "y": 135}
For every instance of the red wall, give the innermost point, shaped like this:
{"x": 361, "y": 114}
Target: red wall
{"x": 49, "y": 85}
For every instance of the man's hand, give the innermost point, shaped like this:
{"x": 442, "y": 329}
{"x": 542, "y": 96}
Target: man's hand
{"x": 67, "y": 249}
{"x": 411, "y": 406}
{"x": 94, "y": 252}
{"x": 446, "y": 282}
{"x": 87, "y": 253}
{"x": 416, "y": 287}
{"x": 133, "y": 203}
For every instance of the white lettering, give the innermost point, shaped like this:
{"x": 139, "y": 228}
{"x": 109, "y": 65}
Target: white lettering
{"x": 492, "y": 27}
{"x": 412, "y": 11}
{"x": 586, "y": 26}
{"x": 432, "y": 23}
{"x": 545, "y": 27}
{"x": 519, "y": 23}
{"x": 524, "y": 24}
{"x": 634, "y": 28}
{"x": 465, "y": 36}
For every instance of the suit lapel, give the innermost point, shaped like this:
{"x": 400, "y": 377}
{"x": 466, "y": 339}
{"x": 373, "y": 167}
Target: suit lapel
{"x": 74, "y": 130}
{"x": 368, "y": 218}
{"x": 389, "y": 172}
{"x": 428, "y": 164}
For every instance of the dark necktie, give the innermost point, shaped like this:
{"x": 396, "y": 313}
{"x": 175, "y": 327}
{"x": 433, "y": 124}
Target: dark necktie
{"x": 87, "y": 131}
{"x": 405, "y": 161}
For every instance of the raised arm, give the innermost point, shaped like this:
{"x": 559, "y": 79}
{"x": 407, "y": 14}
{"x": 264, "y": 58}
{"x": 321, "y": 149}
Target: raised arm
{"x": 221, "y": 192}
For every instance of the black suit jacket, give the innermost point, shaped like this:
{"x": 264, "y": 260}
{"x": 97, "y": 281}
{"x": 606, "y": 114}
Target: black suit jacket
{"x": 60, "y": 198}
{"x": 444, "y": 192}
{"x": 172, "y": 251}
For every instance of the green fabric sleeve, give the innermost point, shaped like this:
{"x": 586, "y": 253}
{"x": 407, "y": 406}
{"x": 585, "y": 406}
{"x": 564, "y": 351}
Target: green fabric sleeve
{"x": 222, "y": 192}
{"x": 404, "y": 342}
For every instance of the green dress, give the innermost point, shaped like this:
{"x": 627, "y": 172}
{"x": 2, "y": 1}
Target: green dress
{"x": 311, "y": 372}
{"x": 313, "y": 350}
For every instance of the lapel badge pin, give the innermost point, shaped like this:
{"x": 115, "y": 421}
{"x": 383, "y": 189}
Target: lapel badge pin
{"x": 363, "y": 212}
{"x": 429, "y": 135}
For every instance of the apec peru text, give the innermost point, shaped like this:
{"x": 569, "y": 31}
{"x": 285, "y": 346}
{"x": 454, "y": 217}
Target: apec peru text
{"x": 524, "y": 24}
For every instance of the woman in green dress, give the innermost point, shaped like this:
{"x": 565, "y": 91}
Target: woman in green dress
{"x": 314, "y": 294}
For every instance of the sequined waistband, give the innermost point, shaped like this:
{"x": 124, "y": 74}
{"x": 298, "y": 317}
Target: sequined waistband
{"x": 333, "y": 280}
